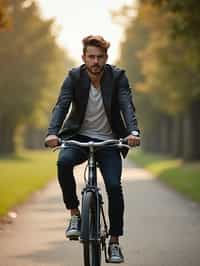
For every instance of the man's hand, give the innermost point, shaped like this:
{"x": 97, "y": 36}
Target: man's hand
{"x": 133, "y": 141}
{"x": 51, "y": 141}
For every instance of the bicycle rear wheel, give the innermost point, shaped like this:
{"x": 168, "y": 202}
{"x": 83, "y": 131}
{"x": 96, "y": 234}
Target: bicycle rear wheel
{"x": 89, "y": 230}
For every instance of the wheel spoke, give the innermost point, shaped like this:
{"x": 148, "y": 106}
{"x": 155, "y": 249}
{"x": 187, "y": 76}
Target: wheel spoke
{"x": 91, "y": 246}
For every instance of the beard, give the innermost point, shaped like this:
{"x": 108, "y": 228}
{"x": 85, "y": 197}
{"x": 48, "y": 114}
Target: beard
{"x": 95, "y": 70}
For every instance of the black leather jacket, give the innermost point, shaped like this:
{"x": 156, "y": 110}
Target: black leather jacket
{"x": 116, "y": 96}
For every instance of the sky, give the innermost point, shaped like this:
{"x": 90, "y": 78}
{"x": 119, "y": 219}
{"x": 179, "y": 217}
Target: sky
{"x": 77, "y": 19}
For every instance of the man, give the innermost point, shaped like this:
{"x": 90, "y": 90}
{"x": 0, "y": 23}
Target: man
{"x": 100, "y": 103}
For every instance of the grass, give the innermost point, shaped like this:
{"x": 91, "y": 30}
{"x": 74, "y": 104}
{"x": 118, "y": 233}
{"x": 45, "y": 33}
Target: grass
{"x": 183, "y": 176}
{"x": 22, "y": 174}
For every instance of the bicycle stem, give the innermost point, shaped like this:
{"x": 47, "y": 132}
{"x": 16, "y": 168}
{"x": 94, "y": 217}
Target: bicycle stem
{"x": 92, "y": 173}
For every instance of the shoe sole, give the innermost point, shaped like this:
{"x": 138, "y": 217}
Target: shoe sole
{"x": 73, "y": 235}
{"x": 115, "y": 261}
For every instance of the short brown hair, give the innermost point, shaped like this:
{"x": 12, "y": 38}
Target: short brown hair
{"x": 95, "y": 40}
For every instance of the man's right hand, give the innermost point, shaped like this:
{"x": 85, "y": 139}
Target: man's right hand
{"x": 51, "y": 141}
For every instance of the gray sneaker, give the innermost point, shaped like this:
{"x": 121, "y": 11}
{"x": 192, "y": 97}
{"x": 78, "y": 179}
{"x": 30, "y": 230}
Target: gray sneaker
{"x": 73, "y": 230}
{"x": 115, "y": 254}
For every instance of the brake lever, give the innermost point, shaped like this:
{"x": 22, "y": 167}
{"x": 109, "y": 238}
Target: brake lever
{"x": 121, "y": 145}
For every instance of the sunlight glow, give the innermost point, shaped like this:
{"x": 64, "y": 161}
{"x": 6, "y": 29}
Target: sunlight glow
{"x": 77, "y": 19}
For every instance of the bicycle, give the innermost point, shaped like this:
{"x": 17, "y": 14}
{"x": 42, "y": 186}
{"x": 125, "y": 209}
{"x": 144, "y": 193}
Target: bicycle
{"x": 94, "y": 229}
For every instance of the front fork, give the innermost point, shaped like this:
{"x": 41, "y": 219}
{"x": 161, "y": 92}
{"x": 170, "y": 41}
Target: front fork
{"x": 104, "y": 232}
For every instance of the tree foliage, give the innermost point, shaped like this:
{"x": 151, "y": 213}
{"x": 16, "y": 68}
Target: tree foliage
{"x": 4, "y": 15}
{"x": 31, "y": 67}
{"x": 161, "y": 52}
{"x": 172, "y": 78}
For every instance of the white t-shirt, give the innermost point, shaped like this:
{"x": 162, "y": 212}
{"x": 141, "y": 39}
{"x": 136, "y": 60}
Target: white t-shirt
{"x": 95, "y": 124}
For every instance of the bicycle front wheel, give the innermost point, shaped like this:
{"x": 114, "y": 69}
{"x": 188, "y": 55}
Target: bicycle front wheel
{"x": 89, "y": 230}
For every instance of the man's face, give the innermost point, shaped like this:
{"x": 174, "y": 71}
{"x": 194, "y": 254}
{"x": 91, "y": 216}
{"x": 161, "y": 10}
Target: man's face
{"x": 95, "y": 59}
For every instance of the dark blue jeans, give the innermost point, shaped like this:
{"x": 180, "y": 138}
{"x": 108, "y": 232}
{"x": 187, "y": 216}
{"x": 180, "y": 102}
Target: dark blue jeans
{"x": 110, "y": 164}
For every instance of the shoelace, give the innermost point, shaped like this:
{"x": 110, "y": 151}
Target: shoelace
{"x": 74, "y": 222}
{"x": 115, "y": 251}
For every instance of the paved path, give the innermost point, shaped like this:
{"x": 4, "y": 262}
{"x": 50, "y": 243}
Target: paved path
{"x": 162, "y": 228}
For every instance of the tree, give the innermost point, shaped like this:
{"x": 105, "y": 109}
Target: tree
{"x": 178, "y": 66}
{"x": 4, "y": 15}
{"x": 29, "y": 55}
{"x": 165, "y": 77}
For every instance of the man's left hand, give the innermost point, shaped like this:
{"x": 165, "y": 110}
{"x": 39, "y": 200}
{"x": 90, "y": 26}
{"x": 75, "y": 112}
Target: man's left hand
{"x": 133, "y": 141}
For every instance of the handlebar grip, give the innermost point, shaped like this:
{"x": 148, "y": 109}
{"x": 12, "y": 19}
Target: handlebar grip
{"x": 125, "y": 141}
{"x": 59, "y": 143}
{"x": 45, "y": 145}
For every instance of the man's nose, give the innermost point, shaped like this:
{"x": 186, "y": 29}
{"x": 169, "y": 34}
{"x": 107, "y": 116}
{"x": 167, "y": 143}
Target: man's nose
{"x": 96, "y": 59}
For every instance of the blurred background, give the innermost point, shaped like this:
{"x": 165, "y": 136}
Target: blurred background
{"x": 156, "y": 41}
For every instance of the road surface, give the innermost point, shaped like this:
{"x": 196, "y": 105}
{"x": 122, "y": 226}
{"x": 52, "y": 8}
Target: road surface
{"x": 162, "y": 228}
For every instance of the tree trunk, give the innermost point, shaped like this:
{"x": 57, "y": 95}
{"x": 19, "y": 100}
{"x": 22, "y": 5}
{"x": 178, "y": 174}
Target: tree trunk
{"x": 34, "y": 138}
{"x": 151, "y": 137}
{"x": 177, "y": 136}
{"x": 166, "y": 133}
{"x": 7, "y": 137}
{"x": 191, "y": 129}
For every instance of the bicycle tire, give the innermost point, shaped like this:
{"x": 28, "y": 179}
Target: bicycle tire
{"x": 89, "y": 220}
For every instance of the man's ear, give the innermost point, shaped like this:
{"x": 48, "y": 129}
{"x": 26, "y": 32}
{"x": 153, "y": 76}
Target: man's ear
{"x": 83, "y": 58}
{"x": 106, "y": 57}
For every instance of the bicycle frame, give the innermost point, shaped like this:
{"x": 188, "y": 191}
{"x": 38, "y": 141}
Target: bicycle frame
{"x": 89, "y": 193}
{"x": 91, "y": 185}
{"x": 92, "y": 173}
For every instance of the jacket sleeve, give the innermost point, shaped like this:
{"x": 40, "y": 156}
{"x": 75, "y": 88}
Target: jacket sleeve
{"x": 126, "y": 104}
{"x": 61, "y": 107}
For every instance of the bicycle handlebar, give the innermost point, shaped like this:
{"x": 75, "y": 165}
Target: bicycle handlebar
{"x": 121, "y": 143}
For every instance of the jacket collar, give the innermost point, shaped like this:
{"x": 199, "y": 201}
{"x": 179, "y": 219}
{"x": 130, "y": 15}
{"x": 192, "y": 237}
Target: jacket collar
{"x": 107, "y": 85}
